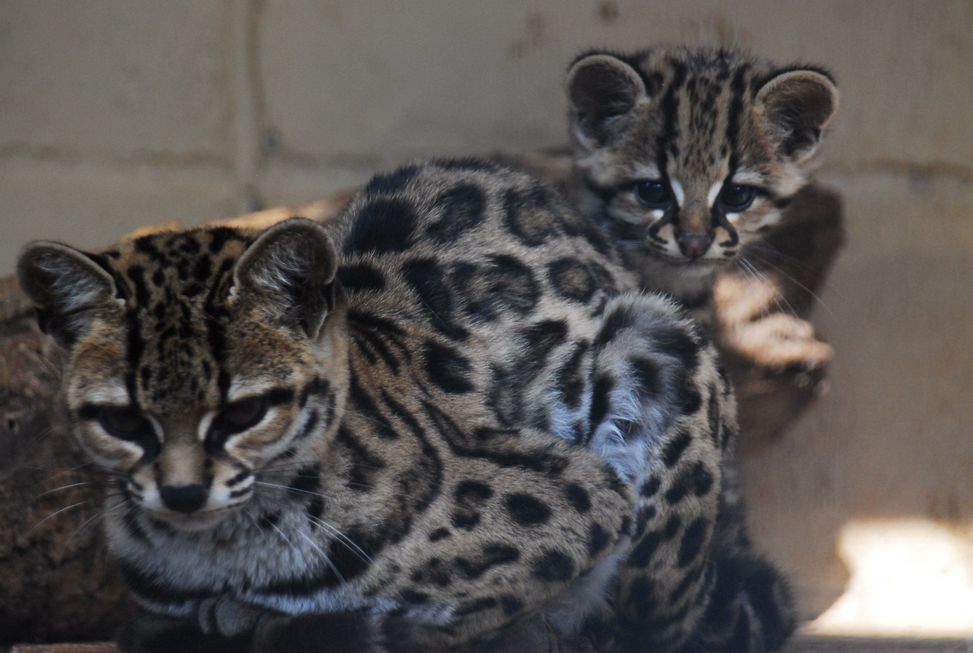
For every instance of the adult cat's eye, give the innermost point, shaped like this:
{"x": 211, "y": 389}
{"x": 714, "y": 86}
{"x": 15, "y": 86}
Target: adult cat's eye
{"x": 653, "y": 193}
{"x": 737, "y": 197}
{"x": 242, "y": 415}
{"x": 123, "y": 422}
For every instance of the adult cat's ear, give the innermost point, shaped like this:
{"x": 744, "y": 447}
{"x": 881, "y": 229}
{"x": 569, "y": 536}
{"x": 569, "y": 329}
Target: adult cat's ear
{"x": 68, "y": 287}
{"x": 289, "y": 273}
{"x": 602, "y": 89}
{"x": 798, "y": 104}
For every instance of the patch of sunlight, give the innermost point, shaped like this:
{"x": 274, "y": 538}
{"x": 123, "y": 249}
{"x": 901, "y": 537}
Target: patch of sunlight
{"x": 909, "y": 578}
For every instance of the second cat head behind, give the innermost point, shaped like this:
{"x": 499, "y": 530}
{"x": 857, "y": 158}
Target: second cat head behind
{"x": 689, "y": 155}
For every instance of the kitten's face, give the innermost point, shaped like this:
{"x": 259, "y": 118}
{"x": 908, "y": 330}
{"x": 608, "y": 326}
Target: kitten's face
{"x": 180, "y": 381}
{"x": 689, "y": 156}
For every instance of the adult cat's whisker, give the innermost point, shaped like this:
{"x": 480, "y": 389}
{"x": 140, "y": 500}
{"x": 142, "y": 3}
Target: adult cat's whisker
{"x": 100, "y": 514}
{"x": 291, "y": 488}
{"x": 61, "y": 489}
{"x": 59, "y": 471}
{"x": 324, "y": 556}
{"x": 344, "y": 539}
{"x": 368, "y": 486}
{"x": 290, "y": 544}
{"x": 55, "y": 514}
{"x": 341, "y": 537}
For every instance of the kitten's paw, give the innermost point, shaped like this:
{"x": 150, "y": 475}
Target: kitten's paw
{"x": 779, "y": 342}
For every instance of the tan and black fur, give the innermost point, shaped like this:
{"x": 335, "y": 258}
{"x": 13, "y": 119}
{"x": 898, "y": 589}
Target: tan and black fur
{"x": 668, "y": 140}
{"x": 444, "y": 413}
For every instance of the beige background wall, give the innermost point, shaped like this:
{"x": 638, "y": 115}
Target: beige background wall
{"x": 118, "y": 114}
{"x": 114, "y": 114}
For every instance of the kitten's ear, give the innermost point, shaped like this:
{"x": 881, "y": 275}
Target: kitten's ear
{"x": 67, "y": 286}
{"x": 601, "y": 88}
{"x": 289, "y": 272}
{"x": 798, "y": 105}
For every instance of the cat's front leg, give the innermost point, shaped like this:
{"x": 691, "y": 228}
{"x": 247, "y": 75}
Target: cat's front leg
{"x": 148, "y": 632}
{"x": 226, "y": 616}
{"x": 320, "y": 632}
{"x": 391, "y": 634}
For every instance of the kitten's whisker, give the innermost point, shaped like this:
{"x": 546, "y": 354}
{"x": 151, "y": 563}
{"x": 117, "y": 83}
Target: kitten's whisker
{"x": 793, "y": 280}
{"x": 779, "y": 300}
{"x": 814, "y": 295}
{"x": 754, "y": 277}
{"x": 775, "y": 253}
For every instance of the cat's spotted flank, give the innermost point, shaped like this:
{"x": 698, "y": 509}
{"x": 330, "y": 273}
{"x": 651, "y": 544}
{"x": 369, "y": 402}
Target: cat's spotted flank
{"x": 445, "y": 414}
{"x": 687, "y": 156}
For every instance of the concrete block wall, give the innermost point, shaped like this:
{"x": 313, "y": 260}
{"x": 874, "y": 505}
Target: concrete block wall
{"x": 114, "y": 114}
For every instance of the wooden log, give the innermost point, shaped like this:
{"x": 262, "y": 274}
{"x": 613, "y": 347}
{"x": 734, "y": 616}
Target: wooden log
{"x": 55, "y": 581}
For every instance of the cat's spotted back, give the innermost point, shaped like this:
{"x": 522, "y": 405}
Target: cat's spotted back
{"x": 445, "y": 413}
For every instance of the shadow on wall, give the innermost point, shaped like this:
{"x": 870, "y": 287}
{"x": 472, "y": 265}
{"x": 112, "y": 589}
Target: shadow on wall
{"x": 868, "y": 501}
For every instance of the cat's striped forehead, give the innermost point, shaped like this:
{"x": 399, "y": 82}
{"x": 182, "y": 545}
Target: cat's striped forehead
{"x": 164, "y": 265}
{"x": 703, "y": 101}
{"x": 173, "y": 285}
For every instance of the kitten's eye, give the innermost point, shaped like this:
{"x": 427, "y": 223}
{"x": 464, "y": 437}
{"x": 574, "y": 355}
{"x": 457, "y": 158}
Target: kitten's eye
{"x": 735, "y": 198}
{"x": 242, "y": 415}
{"x": 654, "y": 194}
{"x": 124, "y": 422}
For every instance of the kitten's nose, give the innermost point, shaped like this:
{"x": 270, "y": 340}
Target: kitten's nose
{"x": 183, "y": 498}
{"x": 694, "y": 245}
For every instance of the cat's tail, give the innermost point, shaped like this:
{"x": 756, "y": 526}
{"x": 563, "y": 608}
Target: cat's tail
{"x": 751, "y": 608}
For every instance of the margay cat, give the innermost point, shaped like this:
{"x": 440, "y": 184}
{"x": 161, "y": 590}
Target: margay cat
{"x": 444, "y": 413}
{"x": 687, "y": 156}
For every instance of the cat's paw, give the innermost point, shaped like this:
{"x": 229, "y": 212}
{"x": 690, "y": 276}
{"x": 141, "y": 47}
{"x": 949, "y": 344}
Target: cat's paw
{"x": 144, "y": 632}
{"x": 313, "y": 633}
{"x": 779, "y": 342}
{"x": 225, "y": 616}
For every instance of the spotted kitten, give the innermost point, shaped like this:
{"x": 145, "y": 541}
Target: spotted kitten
{"x": 688, "y": 156}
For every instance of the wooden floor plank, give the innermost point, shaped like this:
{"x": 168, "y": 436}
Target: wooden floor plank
{"x": 819, "y": 644}
{"x": 803, "y": 644}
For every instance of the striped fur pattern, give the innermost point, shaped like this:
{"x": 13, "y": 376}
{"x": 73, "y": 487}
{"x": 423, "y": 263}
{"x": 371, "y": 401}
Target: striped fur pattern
{"x": 687, "y": 156}
{"x": 444, "y": 415}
